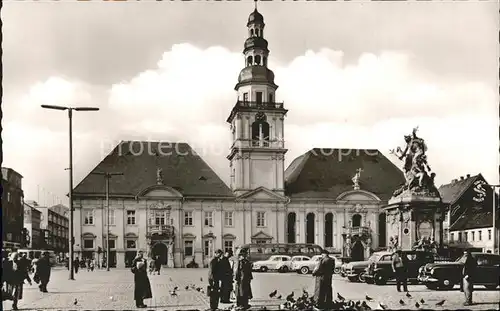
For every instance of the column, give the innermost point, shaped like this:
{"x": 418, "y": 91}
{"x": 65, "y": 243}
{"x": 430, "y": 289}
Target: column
{"x": 320, "y": 228}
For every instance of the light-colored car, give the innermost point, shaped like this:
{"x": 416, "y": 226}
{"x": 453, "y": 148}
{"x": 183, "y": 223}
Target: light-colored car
{"x": 286, "y": 266}
{"x": 270, "y": 264}
{"x": 305, "y": 267}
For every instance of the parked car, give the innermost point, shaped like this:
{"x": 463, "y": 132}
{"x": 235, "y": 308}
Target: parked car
{"x": 380, "y": 271}
{"x": 445, "y": 275}
{"x": 355, "y": 269}
{"x": 305, "y": 267}
{"x": 286, "y": 266}
{"x": 269, "y": 264}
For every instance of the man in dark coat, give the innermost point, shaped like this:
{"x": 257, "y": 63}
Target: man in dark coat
{"x": 42, "y": 273}
{"x": 227, "y": 278}
{"x": 468, "y": 273}
{"x": 76, "y": 264}
{"x": 142, "y": 287}
{"x": 242, "y": 271}
{"x": 214, "y": 278}
{"x": 323, "y": 273}
{"x": 399, "y": 267}
{"x": 157, "y": 264}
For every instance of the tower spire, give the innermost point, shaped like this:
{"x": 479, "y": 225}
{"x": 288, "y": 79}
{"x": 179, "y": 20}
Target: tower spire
{"x": 255, "y": 2}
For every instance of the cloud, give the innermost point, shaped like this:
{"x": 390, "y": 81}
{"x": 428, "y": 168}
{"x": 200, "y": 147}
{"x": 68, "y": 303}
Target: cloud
{"x": 369, "y": 103}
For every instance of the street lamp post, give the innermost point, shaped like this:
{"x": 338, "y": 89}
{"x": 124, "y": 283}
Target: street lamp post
{"x": 494, "y": 203}
{"x": 107, "y": 177}
{"x": 70, "y": 169}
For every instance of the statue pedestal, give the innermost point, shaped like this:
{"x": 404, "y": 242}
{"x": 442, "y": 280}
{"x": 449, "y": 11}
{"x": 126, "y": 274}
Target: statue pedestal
{"x": 413, "y": 216}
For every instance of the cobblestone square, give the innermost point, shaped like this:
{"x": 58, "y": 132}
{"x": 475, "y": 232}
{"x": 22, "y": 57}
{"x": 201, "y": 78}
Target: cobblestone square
{"x": 113, "y": 290}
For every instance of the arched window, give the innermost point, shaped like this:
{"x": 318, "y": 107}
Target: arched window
{"x": 356, "y": 220}
{"x": 249, "y": 60}
{"x": 291, "y": 233}
{"x": 329, "y": 230}
{"x": 310, "y": 235}
{"x": 260, "y": 133}
{"x": 382, "y": 230}
{"x": 257, "y": 32}
{"x": 251, "y": 32}
{"x": 264, "y": 61}
{"x": 257, "y": 60}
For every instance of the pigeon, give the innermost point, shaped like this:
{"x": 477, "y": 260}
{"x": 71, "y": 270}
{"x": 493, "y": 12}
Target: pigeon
{"x": 201, "y": 279}
{"x": 368, "y": 298}
{"x": 401, "y": 302}
{"x": 422, "y": 301}
{"x": 382, "y": 306}
{"x": 365, "y": 306}
{"x": 75, "y": 302}
{"x": 305, "y": 293}
{"x": 417, "y": 305}
{"x": 273, "y": 293}
{"x": 170, "y": 279}
{"x": 279, "y": 297}
{"x": 440, "y": 303}
{"x": 289, "y": 297}
{"x": 176, "y": 288}
{"x": 340, "y": 297}
{"x": 173, "y": 293}
{"x": 186, "y": 288}
{"x": 408, "y": 295}
{"x": 198, "y": 289}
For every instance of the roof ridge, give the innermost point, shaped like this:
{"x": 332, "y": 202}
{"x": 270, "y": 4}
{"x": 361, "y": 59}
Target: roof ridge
{"x": 467, "y": 183}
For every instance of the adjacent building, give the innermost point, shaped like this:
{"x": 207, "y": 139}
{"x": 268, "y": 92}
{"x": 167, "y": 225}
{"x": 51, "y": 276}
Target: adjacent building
{"x": 469, "y": 219}
{"x": 170, "y": 203}
{"x": 12, "y": 209}
{"x": 54, "y": 228}
{"x": 32, "y": 221}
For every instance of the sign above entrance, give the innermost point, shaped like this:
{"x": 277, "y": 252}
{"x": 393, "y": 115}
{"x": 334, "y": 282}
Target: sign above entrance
{"x": 160, "y": 205}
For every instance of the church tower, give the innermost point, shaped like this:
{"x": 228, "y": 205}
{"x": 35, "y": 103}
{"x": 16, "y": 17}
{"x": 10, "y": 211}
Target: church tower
{"x": 257, "y": 120}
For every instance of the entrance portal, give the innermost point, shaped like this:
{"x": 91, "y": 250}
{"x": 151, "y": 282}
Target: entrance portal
{"x": 160, "y": 250}
{"x": 357, "y": 251}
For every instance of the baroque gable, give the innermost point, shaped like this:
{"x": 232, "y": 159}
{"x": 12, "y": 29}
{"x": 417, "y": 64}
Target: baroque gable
{"x": 261, "y": 194}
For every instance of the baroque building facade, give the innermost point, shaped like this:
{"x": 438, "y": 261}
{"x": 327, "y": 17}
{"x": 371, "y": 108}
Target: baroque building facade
{"x": 169, "y": 203}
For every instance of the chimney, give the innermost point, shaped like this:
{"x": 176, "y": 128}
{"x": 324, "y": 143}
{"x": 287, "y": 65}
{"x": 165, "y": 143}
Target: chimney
{"x": 454, "y": 181}
{"x": 468, "y": 175}
{"x": 461, "y": 178}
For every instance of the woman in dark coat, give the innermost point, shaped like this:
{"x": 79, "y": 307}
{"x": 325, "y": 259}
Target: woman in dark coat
{"x": 14, "y": 277}
{"x": 242, "y": 279}
{"x": 227, "y": 277}
{"x": 323, "y": 274}
{"x": 142, "y": 287}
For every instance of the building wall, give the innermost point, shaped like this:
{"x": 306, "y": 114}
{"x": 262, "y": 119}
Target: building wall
{"x": 32, "y": 220}
{"x": 12, "y": 207}
{"x": 473, "y": 238}
{"x": 55, "y": 226}
{"x": 244, "y": 224}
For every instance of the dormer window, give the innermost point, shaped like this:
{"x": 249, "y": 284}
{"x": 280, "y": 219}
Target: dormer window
{"x": 202, "y": 178}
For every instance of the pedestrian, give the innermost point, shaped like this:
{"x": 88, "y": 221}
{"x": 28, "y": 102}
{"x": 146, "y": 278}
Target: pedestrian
{"x": 323, "y": 273}
{"x": 42, "y": 272}
{"x": 92, "y": 264}
{"x": 142, "y": 287}
{"x": 152, "y": 265}
{"x": 157, "y": 264}
{"x": 399, "y": 267}
{"x": 227, "y": 277}
{"x": 214, "y": 278}
{"x": 25, "y": 266}
{"x": 87, "y": 263}
{"x": 76, "y": 264}
{"x": 468, "y": 274}
{"x": 14, "y": 278}
{"x": 242, "y": 270}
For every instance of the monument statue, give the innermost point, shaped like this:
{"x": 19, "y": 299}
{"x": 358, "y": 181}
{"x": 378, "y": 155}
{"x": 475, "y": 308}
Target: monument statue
{"x": 159, "y": 176}
{"x": 356, "y": 178}
{"x": 418, "y": 174}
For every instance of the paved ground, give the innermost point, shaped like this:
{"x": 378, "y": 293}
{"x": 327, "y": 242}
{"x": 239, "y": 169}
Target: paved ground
{"x": 113, "y": 290}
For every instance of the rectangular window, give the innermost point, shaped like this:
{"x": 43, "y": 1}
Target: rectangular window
{"x": 112, "y": 244}
{"x": 228, "y": 245}
{"x": 452, "y": 237}
{"x": 188, "y": 218}
{"x": 473, "y": 235}
{"x": 480, "y": 235}
{"x": 245, "y": 97}
{"x": 88, "y": 217}
{"x": 130, "y": 217}
{"x": 466, "y": 236}
{"x": 112, "y": 217}
{"x": 489, "y": 234}
{"x": 207, "y": 249}
{"x": 271, "y": 98}
{"x": 261, "y": 219}
{"x": 188, "y": 248}
{"x": 131, "y": 244}
{"x": 228, "y": 219}
{"x": 258, "y": 97}
{"x": 160, "y": 218}
{"x": 460, "y": 237}
{"x": 88, "y": 243}
{"x": 208, "y": 219}
{"x": 260, "y": 241}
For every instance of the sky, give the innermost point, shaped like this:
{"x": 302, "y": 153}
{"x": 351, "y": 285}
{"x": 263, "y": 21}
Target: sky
{"x": 352, "y": 75}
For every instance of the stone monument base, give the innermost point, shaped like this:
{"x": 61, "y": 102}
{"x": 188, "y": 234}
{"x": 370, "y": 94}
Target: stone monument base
{"x": 413, "y": 217}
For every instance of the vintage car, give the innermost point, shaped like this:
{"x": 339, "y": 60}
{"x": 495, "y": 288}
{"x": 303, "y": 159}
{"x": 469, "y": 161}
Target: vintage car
{"x": 445, "y": 275}
{"x": 286, "y": 266}
{"x": 269, "y": 264}
{"x": 354, "y": 270}
{"x": 380, "y": 271}
{"x": 306, "y": 267}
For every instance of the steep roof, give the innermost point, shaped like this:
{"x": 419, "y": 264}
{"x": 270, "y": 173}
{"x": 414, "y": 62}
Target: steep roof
{"x": 474, "y": 221}
{"x": 451, "y": 192}
{"x": 327, "y": 173}
{"x": 182, "y": 169}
